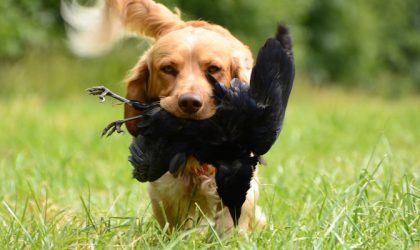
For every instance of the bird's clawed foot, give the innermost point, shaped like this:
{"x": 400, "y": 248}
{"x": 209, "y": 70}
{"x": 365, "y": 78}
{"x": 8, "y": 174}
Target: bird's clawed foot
{"x": 99, "y": 90}
{"x": 116, "y": 125}
{"x": 102, "y": 92}
{"x": 112, "y": 127}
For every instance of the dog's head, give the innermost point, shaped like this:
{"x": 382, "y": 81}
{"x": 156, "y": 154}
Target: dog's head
{"x": 173, "y": 69}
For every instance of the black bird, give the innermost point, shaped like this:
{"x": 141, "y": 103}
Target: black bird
{"x": 247, "y": 122}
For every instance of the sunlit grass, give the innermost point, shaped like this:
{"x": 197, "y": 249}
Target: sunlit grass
{"x": 345, "y": 172}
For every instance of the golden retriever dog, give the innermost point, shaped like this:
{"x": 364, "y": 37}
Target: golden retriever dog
{"x": 172, "y": 70}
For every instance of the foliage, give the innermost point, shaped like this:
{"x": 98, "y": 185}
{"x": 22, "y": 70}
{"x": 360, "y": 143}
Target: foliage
{"x": 28, "y": 23}
{"x": 367, "y": 43}
{"x": 356, "y": 41}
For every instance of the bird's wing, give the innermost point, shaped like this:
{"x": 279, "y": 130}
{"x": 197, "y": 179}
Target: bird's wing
{"x": 153, "y": 157}
{"x": 145, "y": 158}
{"x": 157, "y": 148}
{"x": 271, "y": 83}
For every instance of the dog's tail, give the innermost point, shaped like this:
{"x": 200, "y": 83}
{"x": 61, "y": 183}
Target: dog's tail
{"x": 93, "y": 30}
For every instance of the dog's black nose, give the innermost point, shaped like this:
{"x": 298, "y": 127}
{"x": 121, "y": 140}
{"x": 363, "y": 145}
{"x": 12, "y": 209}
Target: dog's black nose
{"x": 190, "y": 103}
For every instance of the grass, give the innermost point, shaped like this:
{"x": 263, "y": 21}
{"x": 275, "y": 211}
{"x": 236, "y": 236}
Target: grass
{"x": 345, "y": 172}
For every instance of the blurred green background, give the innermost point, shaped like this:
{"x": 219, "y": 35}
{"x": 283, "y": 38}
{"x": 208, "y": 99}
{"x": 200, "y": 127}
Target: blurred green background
{"x": 344, "y": 173}
{"x": 373, "y": 45}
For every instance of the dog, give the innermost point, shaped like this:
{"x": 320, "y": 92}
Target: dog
{"x": 248, "y": 120}
{"x": 173, "y": 71}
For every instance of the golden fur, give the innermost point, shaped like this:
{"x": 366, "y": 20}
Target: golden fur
{"x": 174, "y": 65}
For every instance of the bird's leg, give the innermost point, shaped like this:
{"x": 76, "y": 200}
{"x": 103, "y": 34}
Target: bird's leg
{"x": 103, "y": 91}
{"x": 116, "y": 125}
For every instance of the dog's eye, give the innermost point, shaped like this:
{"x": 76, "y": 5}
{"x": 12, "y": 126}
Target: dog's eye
{"x": 213, "y": 69}
{"x": 168, "y": 70}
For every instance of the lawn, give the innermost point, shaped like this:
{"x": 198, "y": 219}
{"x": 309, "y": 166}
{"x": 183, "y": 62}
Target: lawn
{"x": 344, "y": 173}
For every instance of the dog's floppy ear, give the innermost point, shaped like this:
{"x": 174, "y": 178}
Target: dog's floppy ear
{"x": 136, "y": 91}
{"x": 241, "y": 68}
{"x": 242, "y": 65}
